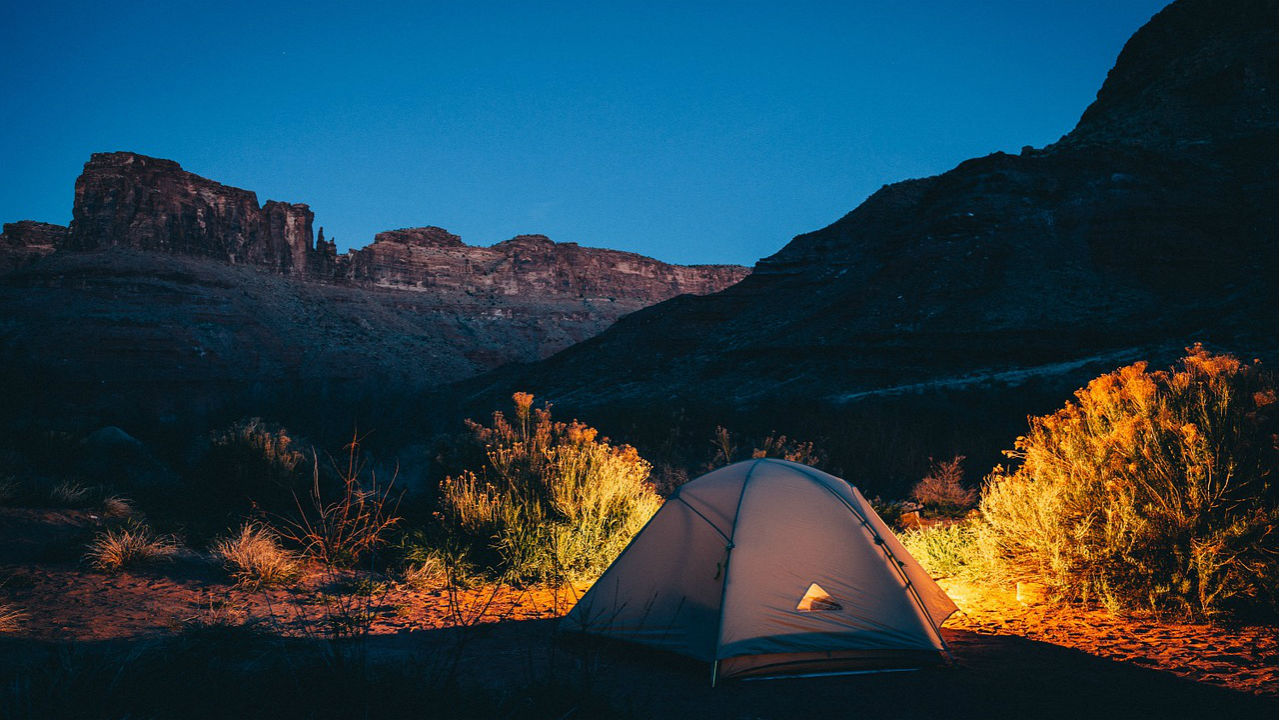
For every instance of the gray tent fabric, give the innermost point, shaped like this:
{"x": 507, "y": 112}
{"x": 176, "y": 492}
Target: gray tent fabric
{"x": 768, "y": 566}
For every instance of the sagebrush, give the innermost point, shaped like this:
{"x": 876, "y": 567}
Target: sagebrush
{"x": 943, "y": 490}
{"x": 1152, "y": 490}
{"x": 950, "y": 550}
{"x": 553, "y": 500}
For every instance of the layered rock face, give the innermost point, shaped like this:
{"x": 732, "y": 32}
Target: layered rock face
{"x": 1150, "y": 226}
{"x": 26, "y": 241}
{"x": 172, "y": 296}
{"x": 134, "y": 201}
{"x": 430, "y": 257}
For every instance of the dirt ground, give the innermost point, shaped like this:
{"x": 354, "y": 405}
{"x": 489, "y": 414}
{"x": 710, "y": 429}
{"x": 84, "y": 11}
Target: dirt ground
{"x": 1010, "y": 659}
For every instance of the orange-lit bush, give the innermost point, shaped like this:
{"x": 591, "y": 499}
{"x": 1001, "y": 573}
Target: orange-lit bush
{"x": 1153, "y": 490}
{"x": 553, "y": 500}
{"x": 943, "y": 489}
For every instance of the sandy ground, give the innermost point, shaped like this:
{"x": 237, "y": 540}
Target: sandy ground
{"x": 1027, "y": 660}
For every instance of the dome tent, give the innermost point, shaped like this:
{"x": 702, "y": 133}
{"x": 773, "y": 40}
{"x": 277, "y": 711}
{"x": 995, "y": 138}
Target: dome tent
{"x": 770, "y": 567}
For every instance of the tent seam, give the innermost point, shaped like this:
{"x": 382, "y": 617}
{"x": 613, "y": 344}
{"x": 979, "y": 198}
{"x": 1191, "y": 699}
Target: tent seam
{"x": 724, "y": 585}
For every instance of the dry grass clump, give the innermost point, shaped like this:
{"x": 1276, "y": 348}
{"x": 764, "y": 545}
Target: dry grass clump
{"x": 943, "y": 489}
{"x": 114, "y": 549}
{"x": 115, "y": 506}
{"x": 431, "y": 573}
{"x": 553, "y": 501}
{"x": 249, "y": 464}
{"x": 255, "y": 558}
{"x": 10, "y": 617}
{"x": 1153, "y": 490}
{"x": 262, "y": 442}
{"x": 70, "y": 493}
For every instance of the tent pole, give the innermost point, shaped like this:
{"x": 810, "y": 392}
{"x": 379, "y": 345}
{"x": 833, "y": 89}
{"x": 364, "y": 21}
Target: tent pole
{"x": 728, "y": 553}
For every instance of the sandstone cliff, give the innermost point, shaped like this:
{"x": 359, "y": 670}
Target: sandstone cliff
{"x": 430, "y": 257}
{"x": 173, "y": 296}
{"x": 126, "y": 200}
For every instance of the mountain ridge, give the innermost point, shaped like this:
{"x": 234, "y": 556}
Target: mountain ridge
{"x": 171, "y": 294}
{"x": 1149, "y": 227}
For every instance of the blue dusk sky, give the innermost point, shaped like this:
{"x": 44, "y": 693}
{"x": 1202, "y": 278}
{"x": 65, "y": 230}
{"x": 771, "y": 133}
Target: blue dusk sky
{"x": 692, "y": 132}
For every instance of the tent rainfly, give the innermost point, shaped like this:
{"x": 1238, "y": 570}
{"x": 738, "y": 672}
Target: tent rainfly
{"x": 768, "y": 567}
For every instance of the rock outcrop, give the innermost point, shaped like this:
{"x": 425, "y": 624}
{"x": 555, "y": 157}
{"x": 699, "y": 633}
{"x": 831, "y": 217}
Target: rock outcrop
{"x": 133, "y": 201}
{"x": 175, "y": 297}
{"x": 128, "y": 200}
{"x": 26, "y": 241}
{"x": 430, "y": 257}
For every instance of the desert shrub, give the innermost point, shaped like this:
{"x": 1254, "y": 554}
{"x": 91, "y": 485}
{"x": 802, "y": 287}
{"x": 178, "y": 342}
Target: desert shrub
{"x": 134, "y": 544}
{"x": 249, "y": 464}
{"x": 552, "y": 500}
{"x": 728, "y": 448}
{"x": 942, "y": 490}
{"x": 892, "y": 510}
{"x": 950, "y": 550}
{"x": 254, "y": 557}
{"x": 339, "y": 528}
{"x": 1152, "y": 490}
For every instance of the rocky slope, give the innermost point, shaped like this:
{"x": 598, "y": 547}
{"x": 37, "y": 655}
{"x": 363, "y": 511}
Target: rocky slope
{"x": 171, "y": 294}
{"x": 1150, "y": 226}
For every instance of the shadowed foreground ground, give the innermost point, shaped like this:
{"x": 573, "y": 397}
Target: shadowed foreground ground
{"x": 521, "y": 669}
{"x": 178, "y": 640}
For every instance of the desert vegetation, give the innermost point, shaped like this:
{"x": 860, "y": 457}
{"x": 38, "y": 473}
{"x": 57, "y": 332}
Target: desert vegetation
{"x": 129, "y": 545}
{"x": 1150, "y": 491}
{"x": 343, "y": 527}
{"x": 943, "y": 489}
{"x": 254, "y": 557}
{"x": 552, "y": 501}
{"x": 10, "y": 617}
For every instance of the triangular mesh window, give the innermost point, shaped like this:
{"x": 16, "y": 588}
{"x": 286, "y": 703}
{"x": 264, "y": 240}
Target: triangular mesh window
{"x": 817, "y": 600}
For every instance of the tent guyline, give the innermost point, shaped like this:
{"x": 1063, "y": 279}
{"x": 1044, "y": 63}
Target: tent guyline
{"x": 767, "y": 567}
